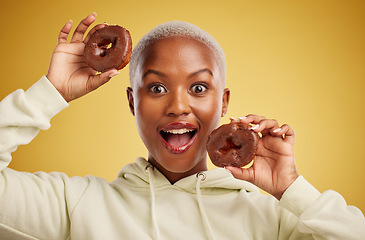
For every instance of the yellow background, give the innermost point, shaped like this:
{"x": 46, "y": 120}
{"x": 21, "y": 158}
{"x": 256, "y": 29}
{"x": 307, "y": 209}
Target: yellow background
{"x": 301, "y": 62}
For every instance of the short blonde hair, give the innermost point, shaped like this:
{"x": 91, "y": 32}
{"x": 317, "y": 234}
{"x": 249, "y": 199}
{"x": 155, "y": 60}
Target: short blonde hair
{"x": 176, "y": 29}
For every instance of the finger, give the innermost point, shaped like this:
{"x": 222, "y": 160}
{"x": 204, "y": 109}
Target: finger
{"x": 234, "y": 120}
{"x": 100, "y": 79}
{"x": 252, "y": 118}
{"x": 99, "y": 26}
{"x": 82, "y": 27}
{"x": 265, "y": 126}
{"x": 62, "y": 37}
{"x": 287, "y": 132}
{"x": 246, "y": 174}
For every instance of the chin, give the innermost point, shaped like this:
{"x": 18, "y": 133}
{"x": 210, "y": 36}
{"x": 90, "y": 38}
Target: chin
{"x": 176, "y": 163}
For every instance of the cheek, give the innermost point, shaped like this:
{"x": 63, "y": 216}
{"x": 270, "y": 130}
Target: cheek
{"x": 209, "y": 112}
{"x": 146, "y": 114}
{"x": 146, "y": 108}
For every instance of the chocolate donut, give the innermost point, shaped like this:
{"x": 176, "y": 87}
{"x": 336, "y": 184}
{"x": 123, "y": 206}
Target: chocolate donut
{"x": 108, "y": 47}
{"x": 232, "y": 145}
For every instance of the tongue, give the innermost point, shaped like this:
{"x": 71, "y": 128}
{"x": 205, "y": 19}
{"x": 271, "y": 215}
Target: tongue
{"x": 178, "y": 140}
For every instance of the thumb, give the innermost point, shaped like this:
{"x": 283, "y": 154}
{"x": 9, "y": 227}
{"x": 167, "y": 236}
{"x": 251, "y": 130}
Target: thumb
{"x": 246, "y": 174}
{"x": 102, "y": 78}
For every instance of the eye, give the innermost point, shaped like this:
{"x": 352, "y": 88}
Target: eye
{"x": 157, "y": 89}
{"x": 198, "y": 88}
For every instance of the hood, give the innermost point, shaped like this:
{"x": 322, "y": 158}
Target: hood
{"x": 216, "y": 180}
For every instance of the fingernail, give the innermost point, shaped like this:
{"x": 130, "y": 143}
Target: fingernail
{"x": 113, "y": 74}
{"x": 277, "y": 130}
{"x": 70, "y": 22}
{"x": 242, "y": 118}
{"x": 94, "y": 14}
{"x": 233, "y": 119}
{"x": 254, "y": 127}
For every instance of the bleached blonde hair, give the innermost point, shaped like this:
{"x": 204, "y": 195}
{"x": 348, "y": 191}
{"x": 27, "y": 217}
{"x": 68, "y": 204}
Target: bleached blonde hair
{"x": 176, "y": 29}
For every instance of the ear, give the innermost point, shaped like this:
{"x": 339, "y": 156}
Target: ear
{"x": 130, "y": 99}
{"x": 225, "y": 101}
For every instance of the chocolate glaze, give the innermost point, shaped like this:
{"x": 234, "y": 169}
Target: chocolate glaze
{"x": 108, "y": 47}
{"x": 232, "y": 145}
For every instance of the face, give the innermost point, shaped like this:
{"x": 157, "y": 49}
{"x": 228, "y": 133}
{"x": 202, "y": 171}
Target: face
{"x": 177, "y": 101}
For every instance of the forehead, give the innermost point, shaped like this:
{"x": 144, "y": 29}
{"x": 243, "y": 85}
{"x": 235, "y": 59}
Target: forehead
{"x": 178, "y": 54}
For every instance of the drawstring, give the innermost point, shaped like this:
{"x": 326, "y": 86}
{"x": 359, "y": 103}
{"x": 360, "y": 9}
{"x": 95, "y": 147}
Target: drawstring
{"x": 208, "y": 229}
{"x": 153, "y": 203}
{"x": 200, "y": 177}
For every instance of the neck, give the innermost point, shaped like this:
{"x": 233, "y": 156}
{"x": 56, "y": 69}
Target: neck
{"x": 173, "y": 177}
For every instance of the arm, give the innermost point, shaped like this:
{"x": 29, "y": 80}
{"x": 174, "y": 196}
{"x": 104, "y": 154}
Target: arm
{"x": 26, "y": 200}
{"x": 323, "y": 216}
{"x": 34, "y": 205}
{"x": 23, "y": 114}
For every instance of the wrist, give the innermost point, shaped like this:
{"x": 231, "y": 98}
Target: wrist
{"x": 45, "y": 96}
{"x": 279, "y": 195}
{"x": 51, "y": 80}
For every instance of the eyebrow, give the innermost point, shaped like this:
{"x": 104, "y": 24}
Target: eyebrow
{"x": 201, "y": 71}
{"x": 151, "y": 71}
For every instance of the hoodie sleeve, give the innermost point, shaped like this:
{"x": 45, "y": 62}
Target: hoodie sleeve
{"x": 322, "y": 216}
{"x": 23, "y": 114}
{"x": 32, "y": 206}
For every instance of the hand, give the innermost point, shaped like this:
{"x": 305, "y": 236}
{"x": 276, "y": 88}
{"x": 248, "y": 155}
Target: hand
{"x": 68, "y": 71}
{"x": 274, "y": 168}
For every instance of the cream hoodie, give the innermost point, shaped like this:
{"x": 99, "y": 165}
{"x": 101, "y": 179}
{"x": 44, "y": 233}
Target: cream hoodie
{"x": 142, "y": 204}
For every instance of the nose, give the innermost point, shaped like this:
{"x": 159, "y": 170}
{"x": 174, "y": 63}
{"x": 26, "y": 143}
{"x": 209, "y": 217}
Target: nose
{"x": 178, "y": 104}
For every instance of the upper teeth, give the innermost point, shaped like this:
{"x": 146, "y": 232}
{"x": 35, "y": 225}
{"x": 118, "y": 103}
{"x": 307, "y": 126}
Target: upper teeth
{"x": 179, "y": 131}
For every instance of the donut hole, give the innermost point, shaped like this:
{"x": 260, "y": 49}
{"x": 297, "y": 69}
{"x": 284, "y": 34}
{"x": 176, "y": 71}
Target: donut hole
{"x": 105, "y": 45}
{"x": 231, "y": 143}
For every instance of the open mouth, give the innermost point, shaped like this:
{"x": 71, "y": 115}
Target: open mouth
{"x": 178, "y": 138}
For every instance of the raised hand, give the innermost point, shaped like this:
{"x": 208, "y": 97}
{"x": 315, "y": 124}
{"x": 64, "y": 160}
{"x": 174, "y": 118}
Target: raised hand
{"x": 68, "y": 71}
{"x": 274, "y": 168}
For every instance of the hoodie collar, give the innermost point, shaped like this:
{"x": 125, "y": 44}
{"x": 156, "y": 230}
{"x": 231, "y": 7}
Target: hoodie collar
{"x": 216, "y": 180}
